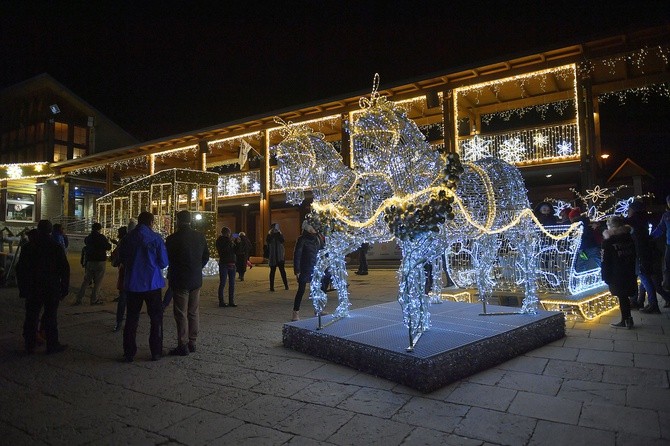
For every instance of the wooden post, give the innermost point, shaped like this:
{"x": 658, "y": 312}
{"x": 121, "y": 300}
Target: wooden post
{"x": 449, "y": 121}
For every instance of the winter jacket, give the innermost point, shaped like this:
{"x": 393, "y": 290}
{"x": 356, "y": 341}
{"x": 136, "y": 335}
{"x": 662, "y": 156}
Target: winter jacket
{"x": 188, "y": 253}
{"x": 97, "y": 246}
{"x": 242, "y": 252}
{"x": 304, "y": 255}
{"x": 643, "y": 249}
{"x": 226, "y": 250}
{"x": 663, "y": 228}
{"x": 42, "y": 269}
{"x": 143, "y": 255}
{"x": 276, "y": 251}
{"x": 618, "y": 265}
{"x": 545, "y": 219}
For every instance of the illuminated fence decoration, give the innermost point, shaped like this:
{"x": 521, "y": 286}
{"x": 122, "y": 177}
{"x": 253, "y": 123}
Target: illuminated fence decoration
{"x": 539, "y": 145}
{"x": 239, "y": 184}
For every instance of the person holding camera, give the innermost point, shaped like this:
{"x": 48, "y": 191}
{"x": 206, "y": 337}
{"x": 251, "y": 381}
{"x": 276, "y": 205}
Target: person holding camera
{"x": 276, "y": 255}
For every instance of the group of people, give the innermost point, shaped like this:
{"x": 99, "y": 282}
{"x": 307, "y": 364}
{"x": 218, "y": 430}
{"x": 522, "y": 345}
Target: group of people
{"x": 626, "y": 252}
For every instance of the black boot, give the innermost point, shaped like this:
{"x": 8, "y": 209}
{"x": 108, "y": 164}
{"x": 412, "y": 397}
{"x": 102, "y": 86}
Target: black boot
{"x": 651, "y": 309}
{"x": 629, "y": 323}
{"x": 621, "y": 324}
{"x": 222, "y": 303}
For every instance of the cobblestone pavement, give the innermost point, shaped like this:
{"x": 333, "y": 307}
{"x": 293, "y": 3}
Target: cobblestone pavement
{"x": 597, "y": 386}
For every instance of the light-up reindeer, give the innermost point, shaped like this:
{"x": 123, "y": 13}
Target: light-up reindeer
{"x": 400, "y": 187}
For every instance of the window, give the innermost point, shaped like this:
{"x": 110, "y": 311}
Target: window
{"x": 80, "y": 134}
{"x": 60, "y": 131}
{"x": 20, "y": 207}
{"x": 78, "y": 153}
{"x": 60, "y": 152}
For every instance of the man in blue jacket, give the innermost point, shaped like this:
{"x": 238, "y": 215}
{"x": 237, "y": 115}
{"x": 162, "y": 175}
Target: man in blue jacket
{"x": 663, "y": 228}
{"x": 143, "y": 255}
{"x": 188, "y": 254}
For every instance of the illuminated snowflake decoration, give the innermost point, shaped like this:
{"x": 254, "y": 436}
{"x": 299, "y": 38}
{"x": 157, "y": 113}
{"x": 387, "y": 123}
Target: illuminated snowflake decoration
{"x": 14, "y": 171}
{"x": 512, "y": 150}
{"x": 540, "y": 140}
{"x": 256, "y": 186}
{"x": 476, "y": 148}
{"x": 621, "y": 207}
{"x": 564, "y": 148}
{"x": 596, "y": 194}
{"x": 232, "y": 186}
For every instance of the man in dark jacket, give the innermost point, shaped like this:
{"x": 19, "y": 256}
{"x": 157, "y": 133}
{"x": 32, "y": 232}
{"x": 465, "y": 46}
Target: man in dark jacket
{"x": 618, "y": 266}
{"x": 187, "y": 253}
{"x": 96, "y": 246}
{"x": 43, "y": 275}
{"x": 304, "y": 259}
{"x": 637, "y": 219}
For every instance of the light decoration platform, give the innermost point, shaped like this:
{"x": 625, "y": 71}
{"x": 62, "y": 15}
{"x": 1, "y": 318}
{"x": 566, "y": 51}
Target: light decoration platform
{"x": 460, "y": 343}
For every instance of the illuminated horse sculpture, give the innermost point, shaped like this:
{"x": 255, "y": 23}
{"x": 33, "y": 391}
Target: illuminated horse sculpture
{"x": 399, "y": 188}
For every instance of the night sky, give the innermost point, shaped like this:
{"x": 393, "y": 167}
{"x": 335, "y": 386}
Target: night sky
{"x": 163, "y": 68}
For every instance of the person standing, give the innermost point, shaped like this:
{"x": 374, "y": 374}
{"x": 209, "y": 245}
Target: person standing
{"x": 242, "y": 253}
{"x": 304, "y": 259}
{"x": 226, "y": 250}
{"x": 96, "y": 246}
{"x": 144, "y": 256}
{"x": 59, "y": 236}
{"x": 363, "y": 259}
{"x": 43, "y": 276}
{"x": 618, "y": 266}
{"x": 276, "y": 255}
{"x": 122, "y": 299}
{"x": 662, "y": 229}
{"x": 638, "y": 221}
{"x": 188, "y": 254}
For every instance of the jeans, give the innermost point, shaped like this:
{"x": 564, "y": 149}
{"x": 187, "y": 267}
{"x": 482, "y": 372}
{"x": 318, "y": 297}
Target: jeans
{"x": 155, "y": 311}
{"x": 648, "y": 285}
{"x": 282, "y": 271}
{"x": 49, "y": 324}
{"x": 227, "y": 272}
{"x": 121, "y": 306}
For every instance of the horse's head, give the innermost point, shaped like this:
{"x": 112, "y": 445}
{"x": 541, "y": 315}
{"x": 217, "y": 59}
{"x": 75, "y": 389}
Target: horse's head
{"x": 306, "y": 161}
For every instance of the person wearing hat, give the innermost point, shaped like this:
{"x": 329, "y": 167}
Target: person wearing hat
{"x": 242, "y": 253}
{"x": 637, "y": 219}
{"x": 276, "y": 255}
{"x": 588, "y": 257}
{"x": 304, "y": 259}
{"x": 187, "y": 254}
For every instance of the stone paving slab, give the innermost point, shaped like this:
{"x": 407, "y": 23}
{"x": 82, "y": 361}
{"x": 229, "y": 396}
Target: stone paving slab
{"x": 242, "y": 387}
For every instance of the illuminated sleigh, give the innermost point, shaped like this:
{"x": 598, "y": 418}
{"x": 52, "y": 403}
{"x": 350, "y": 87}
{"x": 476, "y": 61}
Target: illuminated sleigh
{"x": 561, "y": 284}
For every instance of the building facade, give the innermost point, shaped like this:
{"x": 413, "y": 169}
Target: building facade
{"x": 539, "y": 112}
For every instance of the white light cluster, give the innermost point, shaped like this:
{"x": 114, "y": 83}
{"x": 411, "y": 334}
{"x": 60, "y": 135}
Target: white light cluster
{"x": 396, "y": 169}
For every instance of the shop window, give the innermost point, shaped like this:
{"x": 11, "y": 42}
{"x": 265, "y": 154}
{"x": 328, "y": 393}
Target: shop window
{"x": 20, "y": 207}
{"x": 78, "y": 153}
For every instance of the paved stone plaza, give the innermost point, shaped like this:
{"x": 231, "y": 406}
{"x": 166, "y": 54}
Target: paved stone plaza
{"x": 597, "y": 386}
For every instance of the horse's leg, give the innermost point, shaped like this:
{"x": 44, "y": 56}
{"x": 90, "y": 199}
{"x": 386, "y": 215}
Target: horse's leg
{"x": 340, "y": 284}
{"x": 529, "y": 247}
{"x": 319, "y": 298}
{"x": 483, "y": 259}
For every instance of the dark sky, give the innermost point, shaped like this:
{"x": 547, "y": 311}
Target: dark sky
{"x": 163, "y": 68}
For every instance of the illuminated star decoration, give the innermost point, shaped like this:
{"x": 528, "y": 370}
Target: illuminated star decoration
{"x": 476, "y": 148}
{"x": 512, "y": 150}
{"x": 14, "y": 171}
{"x": 564, "y": 148}
{"x": 540, "y": 140}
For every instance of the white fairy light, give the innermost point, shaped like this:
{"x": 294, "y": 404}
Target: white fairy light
{"x": 564, "y": 148}
{"x": 476, "y": 148}
{"x": 512, "y": 150}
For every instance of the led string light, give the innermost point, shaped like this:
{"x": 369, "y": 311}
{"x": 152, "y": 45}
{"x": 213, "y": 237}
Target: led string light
{"x": 17, "y": 171}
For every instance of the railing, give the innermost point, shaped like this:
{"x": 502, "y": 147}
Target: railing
{"x": 73, "y": 224}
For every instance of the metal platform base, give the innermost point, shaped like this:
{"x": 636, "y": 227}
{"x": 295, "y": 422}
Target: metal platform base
{"x": 460, "y": 342}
